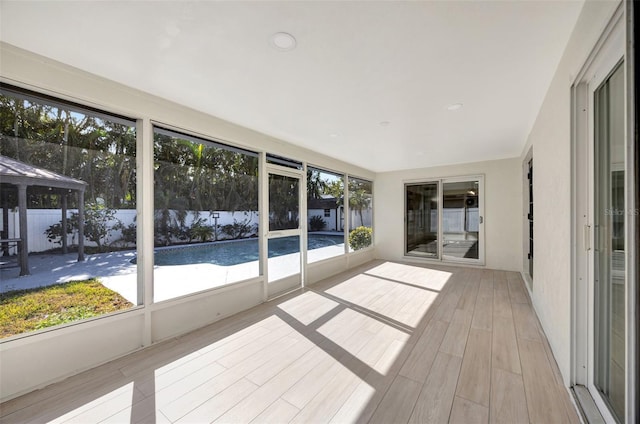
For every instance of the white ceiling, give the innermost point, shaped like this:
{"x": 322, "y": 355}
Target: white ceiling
{"x": 356, "y": 65}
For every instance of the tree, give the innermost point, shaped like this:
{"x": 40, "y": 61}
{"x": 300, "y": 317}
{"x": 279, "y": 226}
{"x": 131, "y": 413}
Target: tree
{"x": 100, "y": 221}
{"x": 316, "y": 186}
{"x": 359, "y": 196}
{"x": 73, "y": 143}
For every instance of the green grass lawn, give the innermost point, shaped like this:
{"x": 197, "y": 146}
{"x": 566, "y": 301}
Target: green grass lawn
{"x": 22, "y": 311}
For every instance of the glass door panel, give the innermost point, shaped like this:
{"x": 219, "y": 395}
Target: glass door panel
{"x": 609, "y": 256}
{"x": 421, "y": 221}
{"x": 284, "y": 202}
{"x": 283, "y": 257}
{"x": 461, "y": 220}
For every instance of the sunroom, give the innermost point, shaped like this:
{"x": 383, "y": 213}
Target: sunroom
{"x": 320, "y": 212}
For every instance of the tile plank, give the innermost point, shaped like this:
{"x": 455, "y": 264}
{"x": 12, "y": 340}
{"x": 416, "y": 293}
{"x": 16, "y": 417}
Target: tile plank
{"x": 543, "y": 397}
{"x": 474, "y": 383}
{"x": 217, "y": 405}
{"x": 517, "y": 291}
{"x": 279, "y": 411}
{"x": 504, "y": 348}
{"x": 508, "y": 401}
{"x": 466, "y": 412}
{"x": 418, "y": 364}
{"x": 436, "y": 399}
{"x": 258, "y": 402}
{"x": 455, "y": 339}
{"x": 526, "y": 322}
{"x": 397, "y": 404}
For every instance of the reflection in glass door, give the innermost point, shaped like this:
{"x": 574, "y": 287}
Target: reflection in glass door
{"x": 443, "y": 219}
{"x": 422, "y": 219}
{"x": 609, "y": 242}
{"x": 460, "y": 220}
{"x": 284, "y": 261}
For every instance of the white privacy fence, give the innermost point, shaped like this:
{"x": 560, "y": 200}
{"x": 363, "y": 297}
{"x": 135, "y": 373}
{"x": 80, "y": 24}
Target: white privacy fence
{"x": 367, "y": 218}
{"x": 454, "y": 220}
{"x": 335, "y": 220}
{"x": 38, "y": 220}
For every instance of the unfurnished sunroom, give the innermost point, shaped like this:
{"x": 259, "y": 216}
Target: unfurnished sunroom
{"x": 318, "y": 211}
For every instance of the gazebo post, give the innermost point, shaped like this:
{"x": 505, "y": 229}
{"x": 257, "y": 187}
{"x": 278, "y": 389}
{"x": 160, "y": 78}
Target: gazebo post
{"x": 5, "y": 223}
{"x": 64, "y": 223}
{"x": 24, "y": 243}
{"x": 80, "y": 225}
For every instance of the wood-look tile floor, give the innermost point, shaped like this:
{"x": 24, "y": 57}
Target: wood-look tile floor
{"x": 384, "y": 343}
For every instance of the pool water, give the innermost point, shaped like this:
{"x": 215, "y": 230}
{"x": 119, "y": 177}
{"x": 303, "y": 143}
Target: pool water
{"x": 238, "y": 252}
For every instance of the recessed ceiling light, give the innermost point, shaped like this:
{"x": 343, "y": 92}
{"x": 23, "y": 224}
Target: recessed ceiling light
{"x": 454, "y": 106}
{"x": 334, "y": 135}
{"x": 384, "y": 123}
{"x": 283, "y": 41}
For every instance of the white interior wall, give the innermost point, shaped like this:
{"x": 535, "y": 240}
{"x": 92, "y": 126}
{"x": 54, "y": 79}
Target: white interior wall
{"x": 502, "y": 209}
{"x": 46, "y": 356}
{"x": 551, "y": 141}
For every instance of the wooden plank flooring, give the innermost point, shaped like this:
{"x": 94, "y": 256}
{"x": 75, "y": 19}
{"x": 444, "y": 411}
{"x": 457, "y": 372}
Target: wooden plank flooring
{"x": 385, "y": 343}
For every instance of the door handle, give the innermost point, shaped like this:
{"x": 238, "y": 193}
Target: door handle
{"x": 481, "y": 220}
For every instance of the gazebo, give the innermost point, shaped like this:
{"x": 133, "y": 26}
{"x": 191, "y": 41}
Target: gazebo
{"x": 21, "y": 175}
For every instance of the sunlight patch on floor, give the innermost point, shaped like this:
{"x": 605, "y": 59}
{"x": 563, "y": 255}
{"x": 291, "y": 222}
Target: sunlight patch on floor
{"x": 429, "y": 278}
{"x": 308, "y": 307}
{"x": 101, "y": 407}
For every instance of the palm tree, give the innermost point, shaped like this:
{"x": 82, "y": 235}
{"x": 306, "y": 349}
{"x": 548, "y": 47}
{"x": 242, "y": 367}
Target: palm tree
{"x": 316, "y": 186}
{"x": 359, "y": 196}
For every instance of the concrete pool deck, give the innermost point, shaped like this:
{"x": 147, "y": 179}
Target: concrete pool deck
{"x": 115, "y": 271}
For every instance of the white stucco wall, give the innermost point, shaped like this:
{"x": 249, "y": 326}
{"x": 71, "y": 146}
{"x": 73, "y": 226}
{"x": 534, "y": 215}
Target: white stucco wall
{"x": 503, "y": 200}
{"x": 551, "y": 141}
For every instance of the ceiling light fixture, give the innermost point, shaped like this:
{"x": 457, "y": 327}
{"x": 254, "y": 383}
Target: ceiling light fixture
{"x": 283, "y": 41}
{"x": 454, "y": 106}
{"x": 384, "y": 123}
{"x": 333, "y": 135}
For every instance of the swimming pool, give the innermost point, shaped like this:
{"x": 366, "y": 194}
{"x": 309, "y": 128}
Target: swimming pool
{"x": 238, "y": 252}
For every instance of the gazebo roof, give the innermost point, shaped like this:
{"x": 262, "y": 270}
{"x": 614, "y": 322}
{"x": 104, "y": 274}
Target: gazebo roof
{"x": 15, "y": 172}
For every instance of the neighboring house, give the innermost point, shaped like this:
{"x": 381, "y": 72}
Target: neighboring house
{"x": 327, "y": 208}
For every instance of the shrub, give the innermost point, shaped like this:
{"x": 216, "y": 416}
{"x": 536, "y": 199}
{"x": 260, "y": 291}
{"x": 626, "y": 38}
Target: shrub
{"x": 54, "y": 232}
{"x": 360, "y": 238}
{"x": 239, "y": 229}
{"x": 316, "y": 223}
{"x": 201, "y": 231}
{"x": 130, "y": 233}
{"x": 99, "y": 223}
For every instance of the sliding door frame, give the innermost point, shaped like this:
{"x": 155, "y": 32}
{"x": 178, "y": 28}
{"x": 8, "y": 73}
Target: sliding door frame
{"x": 481, "y": 233}
{"x": 609, "y": 51}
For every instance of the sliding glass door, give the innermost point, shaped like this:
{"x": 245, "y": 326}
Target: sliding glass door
{"x": 443, "y": 219}
{"x": 421, "y": 230}
{"x": 460, "y": 220}
{"x": 604, "y": 331}
{"x": 609, "y": 242}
